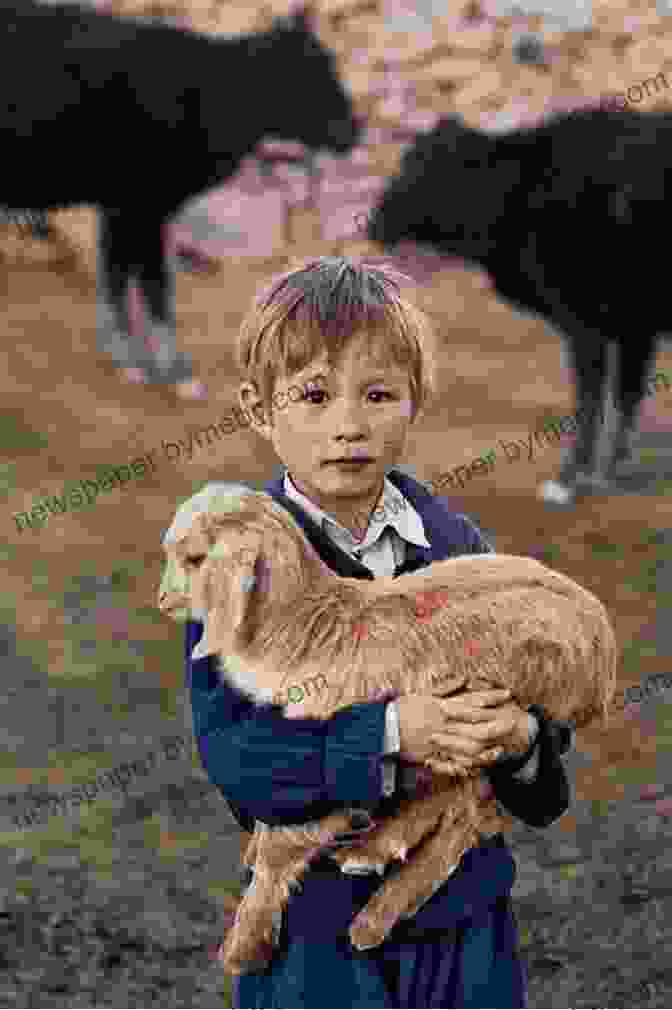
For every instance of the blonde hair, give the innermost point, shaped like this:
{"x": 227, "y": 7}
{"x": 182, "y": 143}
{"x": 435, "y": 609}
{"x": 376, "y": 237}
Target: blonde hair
{"x": 320, "y": 306}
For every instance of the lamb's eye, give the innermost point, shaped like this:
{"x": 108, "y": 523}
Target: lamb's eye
{"x": 195, "y": 560}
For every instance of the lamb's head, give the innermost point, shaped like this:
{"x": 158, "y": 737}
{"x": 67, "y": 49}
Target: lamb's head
{"x": 237, "y": 558}
{"x": 174, "y": 595}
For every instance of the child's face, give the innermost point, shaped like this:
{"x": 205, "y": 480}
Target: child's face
{"x": 358, "y": 409}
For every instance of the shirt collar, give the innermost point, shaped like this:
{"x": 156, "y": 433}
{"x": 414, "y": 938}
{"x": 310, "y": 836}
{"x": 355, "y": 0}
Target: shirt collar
{"x": 392, "y": 509}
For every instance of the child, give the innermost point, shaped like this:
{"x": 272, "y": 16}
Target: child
{"x": 358, "y": 355}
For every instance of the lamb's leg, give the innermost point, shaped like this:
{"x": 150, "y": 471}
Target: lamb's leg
{"x": 249, "y": 942}
{"x": 630, "y": 387}
{"x": 416, "y": 817}
{"x": 415, "y": 882}
{"x": 249, "y": 854}
{"x": 282, "y": 857}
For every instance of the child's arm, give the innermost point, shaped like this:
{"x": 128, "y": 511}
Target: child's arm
{"x": 535, "y": 788}
{"x": 283, "y": 771}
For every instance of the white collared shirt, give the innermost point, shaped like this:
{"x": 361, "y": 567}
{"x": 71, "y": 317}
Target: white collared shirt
{"x": 393, "y": 523}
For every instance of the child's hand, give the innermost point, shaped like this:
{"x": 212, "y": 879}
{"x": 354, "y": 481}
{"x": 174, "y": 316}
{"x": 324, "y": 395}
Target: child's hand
{"x": 423, "y": 719}
{"x": 420, "y": 716}
{"x": 481, "y": 728}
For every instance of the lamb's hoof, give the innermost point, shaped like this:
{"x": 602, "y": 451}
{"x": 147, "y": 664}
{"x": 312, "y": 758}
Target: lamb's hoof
{"x": 235, "y": 967}
{"x": 366, "y": 934}
{"x": 238, "y": 960}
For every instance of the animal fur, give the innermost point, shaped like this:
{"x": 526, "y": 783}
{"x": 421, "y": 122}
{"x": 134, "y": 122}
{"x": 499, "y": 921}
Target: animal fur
{"x": 555, "y": 233}
{"x": 139, "y": 143}
{"x": 272, "y": 606}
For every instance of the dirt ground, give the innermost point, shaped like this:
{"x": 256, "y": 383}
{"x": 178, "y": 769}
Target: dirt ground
{"x": 119, "y": 904}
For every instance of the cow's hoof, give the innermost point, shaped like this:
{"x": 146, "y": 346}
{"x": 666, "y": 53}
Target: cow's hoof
{"x": 592, "y": 483}
{"x": 557, "y": 495}
{"x": 137, "y": 376}
{"x": 626, "y": 466}
{"x": 176, "y": 370}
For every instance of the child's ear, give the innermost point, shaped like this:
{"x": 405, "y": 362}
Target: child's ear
{"x": 251, "y": 403}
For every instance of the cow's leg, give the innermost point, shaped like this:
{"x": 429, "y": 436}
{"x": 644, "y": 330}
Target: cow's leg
{"x": 157, "y": 283}
{"x": 589, "y": 357}
{"x": 115, "y": 261}
{"x": 630, "y": 387}
{"x": 580, "y": 467}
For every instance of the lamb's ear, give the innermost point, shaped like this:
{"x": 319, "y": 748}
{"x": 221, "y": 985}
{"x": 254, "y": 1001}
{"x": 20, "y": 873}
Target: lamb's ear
{"x": 232, "y": 583}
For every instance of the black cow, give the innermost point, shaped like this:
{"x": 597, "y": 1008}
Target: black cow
{"x": 562, "y": 216}
{"x": 137, "y": 118}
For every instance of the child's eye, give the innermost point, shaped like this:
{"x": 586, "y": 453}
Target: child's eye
{"x": 321, "y": 392}
{"x": 313, "y": 392}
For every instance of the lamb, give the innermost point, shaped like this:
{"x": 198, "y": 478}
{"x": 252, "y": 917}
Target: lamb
{"x": 270, "y": 605}
{"x": 555, "y": 233}
{"x": 138, "y": 118}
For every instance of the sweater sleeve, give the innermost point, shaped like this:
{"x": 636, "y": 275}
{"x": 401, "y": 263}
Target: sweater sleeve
{"x": 278, "y": 770}
{"x": 542, "y": 801}
{"x": 474, "y": 541}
